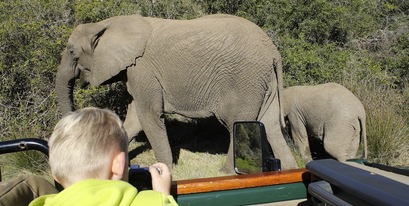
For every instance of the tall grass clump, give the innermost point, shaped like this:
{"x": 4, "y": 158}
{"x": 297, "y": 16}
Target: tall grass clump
{"x": 388, "y": 129}
{"x": 388, "y": 137}
{"x": 21, "y": 125}
{"x": 387, "y": 125}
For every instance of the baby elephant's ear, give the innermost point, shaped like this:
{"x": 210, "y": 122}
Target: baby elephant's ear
{"x": 118, "y": 42}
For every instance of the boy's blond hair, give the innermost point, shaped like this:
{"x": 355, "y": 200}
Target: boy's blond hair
{"x": 83, "y": 143}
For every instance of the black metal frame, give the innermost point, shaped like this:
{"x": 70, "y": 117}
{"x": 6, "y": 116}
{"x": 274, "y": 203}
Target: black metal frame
{"x": 341, "y": 184}
{"x": 24, "y": 144}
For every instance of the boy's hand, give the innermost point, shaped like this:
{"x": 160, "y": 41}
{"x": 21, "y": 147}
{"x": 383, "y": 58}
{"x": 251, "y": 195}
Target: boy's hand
{"x": 161, "y": 182}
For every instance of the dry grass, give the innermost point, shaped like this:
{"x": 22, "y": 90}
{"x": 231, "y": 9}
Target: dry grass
{"x": 200, "y": 149}
{"x": 191, "y": 165}
{"x": 388, "y": 138}
{"x": 24, "y": 163}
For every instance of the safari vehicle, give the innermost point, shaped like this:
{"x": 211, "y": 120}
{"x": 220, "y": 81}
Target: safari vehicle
{"x": 260, "y": 180}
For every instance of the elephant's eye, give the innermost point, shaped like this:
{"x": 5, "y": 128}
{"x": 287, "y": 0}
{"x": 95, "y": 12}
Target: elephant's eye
{"x": 74, "y": 57}
{"x": 70, "y": 50}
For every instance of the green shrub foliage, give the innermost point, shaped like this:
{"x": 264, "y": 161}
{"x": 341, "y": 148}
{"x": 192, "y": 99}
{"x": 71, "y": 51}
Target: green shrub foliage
{"x": 363, "y": 45}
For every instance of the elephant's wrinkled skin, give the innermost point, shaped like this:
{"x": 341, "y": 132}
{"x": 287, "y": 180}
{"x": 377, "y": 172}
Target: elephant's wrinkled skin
{"x": 217, "y": 65}
{"x": 328, "y": 112}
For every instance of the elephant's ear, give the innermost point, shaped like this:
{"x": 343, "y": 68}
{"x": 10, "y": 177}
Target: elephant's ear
{"x": 117, "y": 43}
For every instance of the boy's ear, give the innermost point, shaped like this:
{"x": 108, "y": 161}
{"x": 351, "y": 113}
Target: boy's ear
{"x": 58, "y": 184}
{"x": 118, "y": 166}
{"x": 55, "y": 179}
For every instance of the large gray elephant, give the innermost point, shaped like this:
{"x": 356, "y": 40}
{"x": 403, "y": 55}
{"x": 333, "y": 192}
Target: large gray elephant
{"x": 217, "y": 65}
{"x": 329, "y": 113}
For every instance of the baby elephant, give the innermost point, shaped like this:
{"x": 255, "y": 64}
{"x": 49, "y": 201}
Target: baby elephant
{"x": 329, "y": 113}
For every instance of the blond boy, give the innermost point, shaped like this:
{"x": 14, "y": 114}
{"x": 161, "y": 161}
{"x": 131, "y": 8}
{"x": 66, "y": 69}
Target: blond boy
{"x": 89, "y": 158}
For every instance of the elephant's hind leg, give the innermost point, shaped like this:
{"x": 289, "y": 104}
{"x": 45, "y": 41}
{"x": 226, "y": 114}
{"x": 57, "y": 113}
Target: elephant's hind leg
{"x": 276, "y": 139}
{"x": 341, "y": 141}
{"x": 354, "y": 144}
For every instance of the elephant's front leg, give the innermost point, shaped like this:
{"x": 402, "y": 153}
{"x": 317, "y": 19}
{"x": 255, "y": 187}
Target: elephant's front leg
{"x": 131, "y": 124}
{"x": 155, "y": 131}
{"x": 153, "y": 124}
{"x": 149, "y": 108}
{"x": 299, "y": 135}
{"x": 300, "y": 138}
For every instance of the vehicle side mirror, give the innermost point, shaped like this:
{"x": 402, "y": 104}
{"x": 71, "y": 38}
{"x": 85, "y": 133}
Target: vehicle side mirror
{"x": 252, "y": 152}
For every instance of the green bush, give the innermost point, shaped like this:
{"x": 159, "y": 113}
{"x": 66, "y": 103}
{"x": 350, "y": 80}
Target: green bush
{"x": 170, "y": 9}
{"x": 306, "y": 63}
{"x": 33, "y": 35}
{"x": 97, "y": 10}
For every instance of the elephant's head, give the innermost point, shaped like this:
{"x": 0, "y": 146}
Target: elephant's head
{"x": 96, "y": 52}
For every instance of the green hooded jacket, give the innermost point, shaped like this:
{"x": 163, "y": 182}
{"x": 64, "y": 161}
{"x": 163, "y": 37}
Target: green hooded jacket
{"x": 103, "y": 192}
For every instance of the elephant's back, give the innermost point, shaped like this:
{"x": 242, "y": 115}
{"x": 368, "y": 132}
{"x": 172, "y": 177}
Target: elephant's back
{"x": 342, "y": 97}
{"x": 224, "y": 33}
{"x": 330, "y": 99}
{"x": 223, "y": 54}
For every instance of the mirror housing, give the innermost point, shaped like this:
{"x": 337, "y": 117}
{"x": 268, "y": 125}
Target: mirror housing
{"x": 252, "y": 152}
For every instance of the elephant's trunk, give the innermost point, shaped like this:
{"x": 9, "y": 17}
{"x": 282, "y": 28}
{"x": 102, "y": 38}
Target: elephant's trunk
{"x": 65, "y": 81}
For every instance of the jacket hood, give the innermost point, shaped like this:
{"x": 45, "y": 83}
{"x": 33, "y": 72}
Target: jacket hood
{"x": 103, "y": 193}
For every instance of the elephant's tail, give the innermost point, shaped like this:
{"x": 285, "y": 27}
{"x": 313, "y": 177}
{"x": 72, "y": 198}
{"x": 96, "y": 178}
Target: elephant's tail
{"x": 362, "y": 123}
{"x": 278, "y": 69}
{"x": 268, "y": 99}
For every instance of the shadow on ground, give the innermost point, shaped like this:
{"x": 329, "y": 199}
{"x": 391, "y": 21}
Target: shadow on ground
{"x": 202, "y": 135}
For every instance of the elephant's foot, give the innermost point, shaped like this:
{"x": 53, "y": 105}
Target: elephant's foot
{"x": 165, "y": 159}
{"x": 288, "y": 162}
{"x": 228, "y": 168}
{"x": 307, "y": 159}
